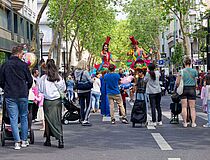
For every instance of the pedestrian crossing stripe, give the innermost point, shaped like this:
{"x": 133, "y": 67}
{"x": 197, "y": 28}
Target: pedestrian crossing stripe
{"x": 161, "y": 142}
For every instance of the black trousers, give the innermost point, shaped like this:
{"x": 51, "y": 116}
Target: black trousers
{"x": 84, "y": 101}
{"x": 155, "y": 104}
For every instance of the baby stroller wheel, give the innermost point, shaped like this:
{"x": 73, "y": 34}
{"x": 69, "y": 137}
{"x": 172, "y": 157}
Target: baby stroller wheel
{"x": 31, "y": 133}
{"x": 3, "y": 138}
{"x": 65, "y": 122}
{"x": 133, "y": 124}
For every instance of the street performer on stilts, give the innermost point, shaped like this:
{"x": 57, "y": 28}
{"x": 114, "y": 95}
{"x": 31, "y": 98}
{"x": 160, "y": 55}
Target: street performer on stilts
{"x": 106, "y": 55}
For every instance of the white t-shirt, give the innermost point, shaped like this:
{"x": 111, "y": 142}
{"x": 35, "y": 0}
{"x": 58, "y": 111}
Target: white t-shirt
{"x": 153, "y": 86}
{"x": 96, "y": 85}
{"x": 50, "y": 89}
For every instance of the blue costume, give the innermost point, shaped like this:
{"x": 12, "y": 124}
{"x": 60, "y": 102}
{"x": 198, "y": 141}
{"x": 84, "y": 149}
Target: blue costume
{"x": 105, "y": 110}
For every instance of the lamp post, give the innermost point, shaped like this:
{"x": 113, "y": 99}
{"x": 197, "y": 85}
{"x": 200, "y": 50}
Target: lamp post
{"x": 191, "y": 42}
{"x": 41, "y": 35}
{"x": 64, "y": 63}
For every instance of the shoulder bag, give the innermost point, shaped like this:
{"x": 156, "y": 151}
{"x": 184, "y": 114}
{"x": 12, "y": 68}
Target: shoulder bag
{"x": 83, "y": 85}
{"x": 180, "y": 88}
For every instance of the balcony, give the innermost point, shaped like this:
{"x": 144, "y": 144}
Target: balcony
{"x": 17, "y": 4}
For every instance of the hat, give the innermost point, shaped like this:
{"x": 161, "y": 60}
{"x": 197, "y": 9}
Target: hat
{"x": 107, "y": 40}
{"x": 133, "y": 41}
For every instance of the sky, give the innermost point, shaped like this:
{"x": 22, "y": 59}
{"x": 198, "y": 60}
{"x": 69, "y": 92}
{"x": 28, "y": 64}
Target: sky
{"x": 121, "y": 15}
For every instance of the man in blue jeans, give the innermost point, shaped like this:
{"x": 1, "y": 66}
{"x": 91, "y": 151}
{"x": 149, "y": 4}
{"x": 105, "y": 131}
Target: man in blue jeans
{"x": 16, "y": 80}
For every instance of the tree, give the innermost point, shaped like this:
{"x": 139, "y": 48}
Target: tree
{"x": 177, "y": 57}
{"x": 181, "y": 9}
{"x": 36, "y": 26}
{"x": 146, "y": 22}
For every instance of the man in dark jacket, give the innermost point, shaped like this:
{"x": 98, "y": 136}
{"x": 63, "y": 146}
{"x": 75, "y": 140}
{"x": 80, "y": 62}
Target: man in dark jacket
{"x": 16, "y": 80}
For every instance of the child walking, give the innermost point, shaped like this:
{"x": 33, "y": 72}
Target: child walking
{"x": 207, "y": 100}
{"x": 203, "y": 97}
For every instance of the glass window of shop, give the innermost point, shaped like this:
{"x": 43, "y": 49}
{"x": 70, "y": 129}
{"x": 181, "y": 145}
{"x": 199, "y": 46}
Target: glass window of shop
{"x": 3, "y": 19}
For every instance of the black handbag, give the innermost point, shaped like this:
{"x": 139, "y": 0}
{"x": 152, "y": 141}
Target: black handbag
{"x": 83, "y": 85}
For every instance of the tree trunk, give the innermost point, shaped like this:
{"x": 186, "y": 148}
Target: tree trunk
{"x": 34, "y": 44}
{"x": 59, "y": 49}
{"x": 59, "y": 24}
{"x": 93, "y": 62}
{"x": 185, "y": 36}
{"x": 89, "y": 59}
{"x": 71, "y": 47}
{"x": 57, "y": 29}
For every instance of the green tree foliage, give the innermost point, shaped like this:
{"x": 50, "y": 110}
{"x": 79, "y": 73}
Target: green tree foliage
{"x": 177, "y": 57}
{"x": 120, "y": 43}
{"x": 146, "y": 22}
{"x": 2, "y": 58}
{"x": 181, "y": 9}
{"x": 93, "y": 20}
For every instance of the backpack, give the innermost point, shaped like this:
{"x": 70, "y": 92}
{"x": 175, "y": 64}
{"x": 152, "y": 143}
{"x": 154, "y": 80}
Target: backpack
{"x": 141, "y": 86}
{"x": 83, "y": 85}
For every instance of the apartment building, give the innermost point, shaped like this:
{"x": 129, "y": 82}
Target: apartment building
{"x": 172, "y": 34}
{"x": 17, "y": 19}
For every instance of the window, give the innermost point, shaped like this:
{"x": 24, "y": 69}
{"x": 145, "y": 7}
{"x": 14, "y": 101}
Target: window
{"x": 31, "y": 31}
{"x": 21, "y": 27}
{"x": 27, "y": 27}
{"x": 9, "y": 20}
{"x": 15, "y": 23}
{"x": 3, "y": 19}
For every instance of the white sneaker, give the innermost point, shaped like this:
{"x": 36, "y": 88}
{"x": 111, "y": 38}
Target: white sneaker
{"x": 194, "y": 125}
{"x": 160, "y": 123}
{"x": 206, "y": 125}
{"x": 184, "y": 125}
{"x": 153, "y": 124}
{"x": 17, "y": 146}
{"x": 25, "y": 144}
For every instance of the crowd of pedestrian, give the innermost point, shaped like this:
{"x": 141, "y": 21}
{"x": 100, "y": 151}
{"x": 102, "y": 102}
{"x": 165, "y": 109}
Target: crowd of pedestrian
{"x": 35, "y": 98}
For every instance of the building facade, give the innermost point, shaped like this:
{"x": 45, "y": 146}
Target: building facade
{"x": 16, "y": 24}
{"x": 173, "y": 35}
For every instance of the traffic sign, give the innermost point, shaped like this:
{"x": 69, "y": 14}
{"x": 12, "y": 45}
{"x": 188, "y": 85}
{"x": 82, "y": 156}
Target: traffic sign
{"x": 161, "y": 62}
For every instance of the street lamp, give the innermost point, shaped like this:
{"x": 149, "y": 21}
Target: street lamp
{"x": 191, "y": 42}
{"x": 41, "y": 35}
{"x": 64, "y": 63}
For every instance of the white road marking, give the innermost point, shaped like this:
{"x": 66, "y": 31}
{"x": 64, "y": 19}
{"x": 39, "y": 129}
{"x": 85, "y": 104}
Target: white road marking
{"x": 161, "y": 142}
{"x": 174, "y": 158}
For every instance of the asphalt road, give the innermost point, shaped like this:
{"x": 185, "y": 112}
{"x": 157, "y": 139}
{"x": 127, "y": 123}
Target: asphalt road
{"x": 104, "y": 141}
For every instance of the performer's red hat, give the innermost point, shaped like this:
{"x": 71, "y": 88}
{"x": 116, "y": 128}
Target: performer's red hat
{"x": 134, "y": 42}
{"x": 107, "y": 40}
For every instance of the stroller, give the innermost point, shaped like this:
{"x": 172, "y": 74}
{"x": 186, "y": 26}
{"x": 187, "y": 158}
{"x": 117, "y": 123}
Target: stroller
{"x": 139, "y": 112}
{"x": 176, "y": 108}
{"x": 6, "y": 131}
{"x": 73, "y": 112}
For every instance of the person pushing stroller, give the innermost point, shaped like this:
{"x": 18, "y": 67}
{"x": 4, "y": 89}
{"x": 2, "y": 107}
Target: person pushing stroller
{"x": 16, "y": 94}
